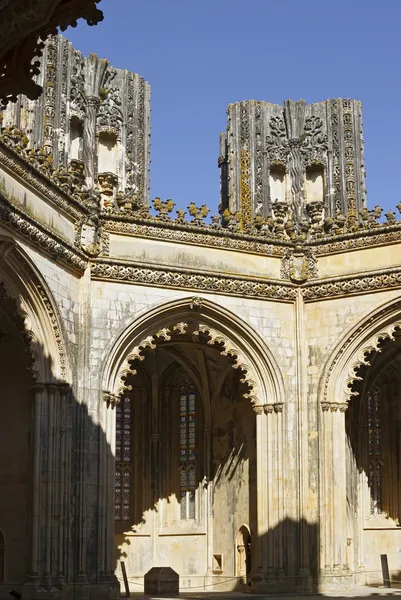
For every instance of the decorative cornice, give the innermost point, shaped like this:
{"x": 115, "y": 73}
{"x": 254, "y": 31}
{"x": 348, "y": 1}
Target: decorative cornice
{"x": 334, "y": 406}
{"x": 193, "y": 235}
{"x": 353, "y": 284}
{"x": 19, "y": 166}
{"x": 38, "y": 235}
{"x": 192, "y": 280}
{"x": 378, "y": 236}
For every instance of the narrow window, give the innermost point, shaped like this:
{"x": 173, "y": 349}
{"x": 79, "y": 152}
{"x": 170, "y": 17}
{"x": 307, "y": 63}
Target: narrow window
{"x": 187, "y": 453}
{"x": 277, "y": 183}
{"x": 123, "y": 461}
{"x": 375, "y": 452}
{"x": 76, "y": 138}
{"x": 314, "y": 184}
{"x": 107, "y": 153}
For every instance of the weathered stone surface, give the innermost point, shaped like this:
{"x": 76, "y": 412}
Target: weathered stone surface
{"x": 184, "y": 393}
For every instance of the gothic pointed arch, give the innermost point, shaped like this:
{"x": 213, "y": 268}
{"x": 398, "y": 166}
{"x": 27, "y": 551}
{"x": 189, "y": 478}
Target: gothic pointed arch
{"x": 354, "y": 350}
{"x": 25, "y": 286}
{"x": 223, "y": 329}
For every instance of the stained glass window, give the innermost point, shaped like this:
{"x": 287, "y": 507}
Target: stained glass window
{"x": 122, "y": 510}
{"x": 187, "y": 452}
{"x": 375, "y": 451}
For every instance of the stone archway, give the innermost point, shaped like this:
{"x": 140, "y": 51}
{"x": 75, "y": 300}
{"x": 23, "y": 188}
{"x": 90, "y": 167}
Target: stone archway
{"x": 208, "y": 343}
{"x": 349, "y": 373}
{"x": 33, "y": 374}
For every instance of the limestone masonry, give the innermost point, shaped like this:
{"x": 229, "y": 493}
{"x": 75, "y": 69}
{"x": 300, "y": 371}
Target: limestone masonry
{"x": 217, "y": 394}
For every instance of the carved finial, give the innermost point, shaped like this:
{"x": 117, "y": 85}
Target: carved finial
{"x": 390, "y": 217}
{"x": 180, "y": 216}
{"x": 198, "y": 214}
{"x": 163, "y": 208}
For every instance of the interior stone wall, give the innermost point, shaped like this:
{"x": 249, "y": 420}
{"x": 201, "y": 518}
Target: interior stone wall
{"x": 15, "y": 457}
{"x": 234, "y": 458}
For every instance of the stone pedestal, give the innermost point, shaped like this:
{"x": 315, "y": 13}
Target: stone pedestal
{"x": 162, "y": 581}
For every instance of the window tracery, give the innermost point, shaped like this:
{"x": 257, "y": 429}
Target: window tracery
{"x": 123, "y": 500}
{"x": 187, "y": 466}
{"x": 375, "y": 451}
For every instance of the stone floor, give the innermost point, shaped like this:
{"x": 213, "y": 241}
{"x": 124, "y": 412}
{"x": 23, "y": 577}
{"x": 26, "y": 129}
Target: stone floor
{"x": 357, "y": 592}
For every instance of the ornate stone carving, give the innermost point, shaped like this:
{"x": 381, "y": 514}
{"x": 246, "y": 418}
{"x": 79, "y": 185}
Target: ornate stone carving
{"x": 12, "y": 218}
{"x": 163, "y": 208}
{"x": 192, "y": 281}
{"x": 108, "y": 186}
{"x": 299, "y": 265}
{"x": 384, "y": 279}
{"x": 315, "y": 143}
{"x": 198, "y": 214}
{"x": 110, "y": 114}
{"x": 363, "y": 352}
{"x": 24, "y": 26}
{"x": 277, "y": 144}
{"x": 213, "y": 338}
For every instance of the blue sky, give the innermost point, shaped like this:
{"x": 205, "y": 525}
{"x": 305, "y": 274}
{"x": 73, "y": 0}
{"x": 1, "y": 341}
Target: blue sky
{"x": 200, "y": 56}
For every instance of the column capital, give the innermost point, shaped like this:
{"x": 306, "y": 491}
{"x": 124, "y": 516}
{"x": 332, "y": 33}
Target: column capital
{"x": 38, "y": 387}
{"x": 334, "y": 406}
{"x": 111, "y": 399}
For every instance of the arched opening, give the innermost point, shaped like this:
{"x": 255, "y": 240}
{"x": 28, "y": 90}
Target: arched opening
{"x": 373, "y": 447}
{"x": 244, "y": 553}
{"x": 314, "y": 184}
{"x": 277, "y": 183}
{"x": 76, "y": 139}
{"x": 16, "y": 444}
{"x": 360, "y": 449}
{"x": 107, "y": 153}
{"x": 191, "y": 361}
{"x": 185, "y": 459}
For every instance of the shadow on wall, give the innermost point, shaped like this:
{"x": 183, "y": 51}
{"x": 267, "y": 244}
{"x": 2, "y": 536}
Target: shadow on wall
{"x": 217, "y": 550}
{"x": 54, "y": 526}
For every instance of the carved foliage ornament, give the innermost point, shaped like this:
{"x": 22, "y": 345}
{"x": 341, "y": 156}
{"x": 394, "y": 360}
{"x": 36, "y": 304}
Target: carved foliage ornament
{"x": 213, "y": 337}
{"x": 359, "y": 357}
{"x": 24, "y": 26}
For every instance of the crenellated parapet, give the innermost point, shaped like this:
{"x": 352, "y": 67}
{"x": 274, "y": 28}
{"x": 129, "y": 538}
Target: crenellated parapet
{"x": 297, "y": 154}
{"x": 89, "y": 113}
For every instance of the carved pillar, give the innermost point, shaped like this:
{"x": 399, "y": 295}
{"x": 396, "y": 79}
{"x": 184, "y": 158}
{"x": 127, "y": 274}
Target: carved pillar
{"x": 208, "y": 510}
{"x": 269, "y": 540}
{"x": 259, "y": 564}
{"x": 334, "y": 514}
{"x": 51, "y": 494}
{"x": 37, "y": 482}
{"x": 89, "y": 152}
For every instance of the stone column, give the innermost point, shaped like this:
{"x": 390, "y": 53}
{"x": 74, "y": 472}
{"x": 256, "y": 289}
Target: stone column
{"x": 260, "y": 556}
{"x": 333, "y": 502}
{"x": 270, "y": 495}
{"x": 37, "y": 482}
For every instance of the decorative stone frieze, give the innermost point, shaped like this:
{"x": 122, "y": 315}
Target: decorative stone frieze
{"x": 176, "y": 278}
{"x": 37, "y": 234}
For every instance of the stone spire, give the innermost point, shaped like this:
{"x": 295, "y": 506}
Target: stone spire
{"x": 294, "y": 155}
{"x": 92, "y": 115}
